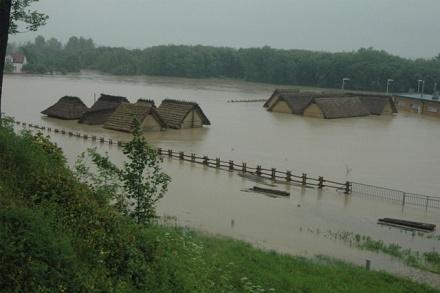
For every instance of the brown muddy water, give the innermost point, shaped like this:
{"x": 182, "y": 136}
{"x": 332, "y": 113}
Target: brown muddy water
{"x": 397, "y": 152}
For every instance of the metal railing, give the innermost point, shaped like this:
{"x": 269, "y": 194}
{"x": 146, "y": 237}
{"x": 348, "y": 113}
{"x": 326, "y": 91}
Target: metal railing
{"x": 402, "y": 197}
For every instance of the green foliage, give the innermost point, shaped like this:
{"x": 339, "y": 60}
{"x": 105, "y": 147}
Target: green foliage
{"x": 9, "y": 68}
{"x": 368, "y": 68}
{"x": 21, "y": 14}
{"x": 137, "y": 187}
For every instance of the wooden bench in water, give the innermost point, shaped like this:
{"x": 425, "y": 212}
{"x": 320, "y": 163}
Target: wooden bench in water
{"x": 407, "y": 224}
{"x": 270, "y": 191}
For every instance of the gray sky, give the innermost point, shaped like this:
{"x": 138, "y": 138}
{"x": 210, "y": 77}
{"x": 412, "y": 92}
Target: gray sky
{"x": 410, "y": 28}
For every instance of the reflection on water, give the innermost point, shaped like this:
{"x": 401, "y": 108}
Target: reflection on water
{"x": 398, "y": 152}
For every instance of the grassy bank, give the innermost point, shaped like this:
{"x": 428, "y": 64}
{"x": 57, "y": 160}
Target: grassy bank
{"x": 57, "y": 235}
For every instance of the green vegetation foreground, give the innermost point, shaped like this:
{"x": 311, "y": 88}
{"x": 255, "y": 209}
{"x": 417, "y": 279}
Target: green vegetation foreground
{"x": 57, "y": 234}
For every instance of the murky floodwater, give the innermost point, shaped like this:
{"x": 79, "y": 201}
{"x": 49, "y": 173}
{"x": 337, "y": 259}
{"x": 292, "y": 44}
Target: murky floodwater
{"x": 397, "y": 152}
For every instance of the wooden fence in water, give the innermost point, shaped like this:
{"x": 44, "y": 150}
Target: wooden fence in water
{"x": 354, "y": 188}
{"x": 229, "y": 165}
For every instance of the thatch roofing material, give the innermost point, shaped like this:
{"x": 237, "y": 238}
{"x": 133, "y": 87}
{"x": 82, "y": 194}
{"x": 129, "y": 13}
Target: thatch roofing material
{"x": 279, "y": 92}
{"x": 123, "y": 118}
{"x": 102, "y": 109}
{"x": 173, "y": 112}
{"x": 341, "y": 107}
{"x": 68, "y": 108}
{"x": 376, "y": 104}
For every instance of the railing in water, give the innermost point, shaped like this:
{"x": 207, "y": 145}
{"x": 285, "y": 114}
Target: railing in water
{"x": 402, "y": 197}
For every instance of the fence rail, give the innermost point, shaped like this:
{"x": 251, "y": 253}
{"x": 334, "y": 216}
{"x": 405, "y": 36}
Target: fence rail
{"x": 355, "y": 188}
{"x": 402, "y": 197}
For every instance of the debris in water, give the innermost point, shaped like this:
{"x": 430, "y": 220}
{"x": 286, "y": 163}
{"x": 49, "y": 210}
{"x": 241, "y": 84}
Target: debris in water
{"x": 426, "y": 227}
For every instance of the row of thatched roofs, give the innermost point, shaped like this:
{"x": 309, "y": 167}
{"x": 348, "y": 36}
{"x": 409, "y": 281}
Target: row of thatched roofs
{"x": 330, "y": 105}
{"x": 116, "y": 112}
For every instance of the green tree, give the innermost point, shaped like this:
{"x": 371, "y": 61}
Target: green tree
{"x": 14, "y": 13}
{"x": 137, "y": 187}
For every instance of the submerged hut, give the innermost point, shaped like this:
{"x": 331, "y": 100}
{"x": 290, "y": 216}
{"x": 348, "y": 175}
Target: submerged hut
{"x": 332, "y": 105}
{"x": 336, "y": 107}
{"x": 68, "y": 108}
{"x": 123, "y": 118}
{"x": 102, "y": 109}
{"x": 182, "y": 114}
{"x": 277, "y": 94}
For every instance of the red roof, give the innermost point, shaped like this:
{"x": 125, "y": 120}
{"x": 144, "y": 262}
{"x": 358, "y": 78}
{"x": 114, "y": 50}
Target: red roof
{"x": 18, "y": 58}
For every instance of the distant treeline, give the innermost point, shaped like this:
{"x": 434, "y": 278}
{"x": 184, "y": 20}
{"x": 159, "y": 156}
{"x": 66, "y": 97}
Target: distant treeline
{"x": 368, "y": 69}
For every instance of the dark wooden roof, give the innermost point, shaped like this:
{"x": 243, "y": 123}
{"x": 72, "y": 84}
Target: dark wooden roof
{"x": 341, "y": 107}
{"x": 123, "y": 118}
{"x": 173, "y": 112}
{"x": 68, "y": 108}
{"x": 102, "y": 109}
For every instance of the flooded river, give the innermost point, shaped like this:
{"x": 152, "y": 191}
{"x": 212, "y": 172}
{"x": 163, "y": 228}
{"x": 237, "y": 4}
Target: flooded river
{"x": 397, "y": 152}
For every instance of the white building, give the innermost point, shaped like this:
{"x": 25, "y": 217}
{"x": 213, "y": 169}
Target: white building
{"x": 17, "y": 60}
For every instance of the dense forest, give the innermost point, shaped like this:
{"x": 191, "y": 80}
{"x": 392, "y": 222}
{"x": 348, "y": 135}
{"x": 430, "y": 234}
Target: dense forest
{"x": 367, "y": 68}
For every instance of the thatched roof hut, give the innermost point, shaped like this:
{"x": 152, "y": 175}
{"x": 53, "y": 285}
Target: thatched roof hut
{"x": 337, "y": 107}
{"x": 277, "y": 93}
{"x": 123, "y": 118}
{"x": 182, "y": 114}
{"x": 378, "y": 105}
{"x": 68, "y": 108}
{"x": 102, "y": 109}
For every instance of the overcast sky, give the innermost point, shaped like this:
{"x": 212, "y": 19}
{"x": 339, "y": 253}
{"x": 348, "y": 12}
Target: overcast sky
{"x": 410, "y": 28}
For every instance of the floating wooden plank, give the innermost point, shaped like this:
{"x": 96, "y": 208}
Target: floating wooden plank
{"x": 270, "y": 191}
{"x": 407, "y": 224}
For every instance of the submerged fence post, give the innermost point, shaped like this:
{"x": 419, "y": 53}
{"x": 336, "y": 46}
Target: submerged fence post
{"x": 231, "y": 165}
{"x": 367, "y": 264}
{"x": 258, "y": 170}
{"x": 347, "y": 187}
{"x": 427, "y": 202}
{"x": 159, "y": 151}
{"x": 217, "y": 163}
{"x": 320, "y": 182}
{"x": 181, "y": 155}
{"x": 205, "y": 160}
{"x": 288, "y": 175}
{"x": 170, "y": 153}
{"x": 244, "y": 168}
{"x": 273, "y": 173}
{"x": 304, "y": 179}
{"x": 404, "y": 199}
{"x": 193, "y": 158}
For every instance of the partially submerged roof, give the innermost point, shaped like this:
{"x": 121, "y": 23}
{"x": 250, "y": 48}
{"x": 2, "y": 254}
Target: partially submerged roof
{"x": 173, "y": 112}
{"x": 123, "y": 118}
{"x": 146, "y": 102}
{"x": 68, "y": 108}
{"x": 376, "y": 104}
{"x": 297, "y": 102}
{"x": 102, "y": 109}
{"x": 341, "y": 107}
{"x": 278, "y": 92}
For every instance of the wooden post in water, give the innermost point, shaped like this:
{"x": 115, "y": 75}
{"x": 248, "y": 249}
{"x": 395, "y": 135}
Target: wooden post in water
{"x": 427, "y": 202}
{"x": 217, "y": 163}
{"x": 159, "y": 151}
{"x": 404, "y": 199}
{"x": 205, "y": 160}
{"x": 368, "y": 264}
{"x": 347, "y": 187}
{"x": 304, "y": 179}
{"x": 258, "y": 170}
{"x": 231, "y": 165}
{"x": 288, "y": 176}
{"x": 274, "y": 173}
{"x": 193, "y": 158}
{"x": 321, "y": 182}
{"x": 170, "y": 153}
{"x": 181, "y": 155}
{"x": 244, "y": 167}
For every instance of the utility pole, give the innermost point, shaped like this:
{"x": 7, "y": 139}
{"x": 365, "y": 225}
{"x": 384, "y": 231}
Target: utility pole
{"x": 389, "y": 81}
{"x": 344, "y": 80}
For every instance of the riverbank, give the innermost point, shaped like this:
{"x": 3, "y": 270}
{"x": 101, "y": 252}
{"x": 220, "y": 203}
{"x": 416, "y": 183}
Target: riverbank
{"x": 56, "y": 234}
